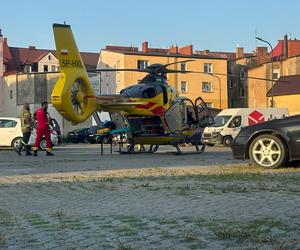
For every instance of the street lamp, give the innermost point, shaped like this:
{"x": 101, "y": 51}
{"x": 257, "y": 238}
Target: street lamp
{"x": 272, "y": 90}
{"x": 211, "y": 74}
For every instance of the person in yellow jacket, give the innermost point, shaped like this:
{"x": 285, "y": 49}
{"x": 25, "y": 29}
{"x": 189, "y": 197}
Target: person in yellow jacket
{"x": 26, "y": 127}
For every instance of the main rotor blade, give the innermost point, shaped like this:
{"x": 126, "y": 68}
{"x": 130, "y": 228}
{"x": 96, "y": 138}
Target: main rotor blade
{"x": 236, "y": 76}
{"x": 167, "y": 65}
{"x": 114, "y": 70}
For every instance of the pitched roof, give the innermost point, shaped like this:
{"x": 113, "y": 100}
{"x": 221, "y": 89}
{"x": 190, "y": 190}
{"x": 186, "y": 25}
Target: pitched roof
{"x": 90, "y": 59}
{"x": 15, "y": 57}
{"x": 27, "y": 56}
{"x": 285, "y": 85}
{"x": 223, "y": 54}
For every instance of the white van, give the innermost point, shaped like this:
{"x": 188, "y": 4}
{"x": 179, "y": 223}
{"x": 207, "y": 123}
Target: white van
{"x": 229, "y": 122}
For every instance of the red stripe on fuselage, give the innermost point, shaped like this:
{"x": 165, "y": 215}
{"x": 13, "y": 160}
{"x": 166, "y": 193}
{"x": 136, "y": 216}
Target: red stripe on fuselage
{"x": 158, "y": 111}
{"x": 147, "y": 106}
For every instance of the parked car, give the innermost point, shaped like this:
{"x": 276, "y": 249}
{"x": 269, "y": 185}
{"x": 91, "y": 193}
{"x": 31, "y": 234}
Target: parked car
{"x": 270, "y": 144}
{"x": 78, "y": 135}
{"x": 229, "y": 122}
{"x": 54, "y": 124}
{"x": 92, "y": 134}
{"x": 11, "y": 133}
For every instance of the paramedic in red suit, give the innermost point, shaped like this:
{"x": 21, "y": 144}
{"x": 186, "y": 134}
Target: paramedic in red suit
{"x": 42, "y": 119}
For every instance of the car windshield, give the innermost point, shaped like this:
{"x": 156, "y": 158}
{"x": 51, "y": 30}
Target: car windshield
{"x": 221, "y": 120}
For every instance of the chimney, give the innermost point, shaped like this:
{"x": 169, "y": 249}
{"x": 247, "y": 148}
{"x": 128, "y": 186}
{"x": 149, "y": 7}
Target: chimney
{"x": 186, "y": 50}
{"x": 31, "y": 47}
{"x": 145, "y": 47}
{"x": 1, "y": 33}
{"x": 239, "y": 52}
{"x": 285, "y": 46}
{"x": 262, "y": 55}
{"x": 173, "y": 50}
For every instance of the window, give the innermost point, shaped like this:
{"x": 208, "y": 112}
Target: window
{"x": 243, "y": 75}
{"x": 276, "y": 74}
{"x": 231, "y": 103}
{"x": 8, "y": 124}
{"x": 53, "y": 68}
{"x": 11, "y": 94}
{"x": 4, "y": 68}
{"x": 183, "y": 66}
{"x": 209, "y": 104}
{"x": 242, "y": 92}
{"x": 208, "y": 68}
{"x": 230, "y": 83}
{"x": 45, "y": 68}
{"x": 142, "y": 64}
{"x": 206, "y": 87}
{"x": 183, "y": 87}
{"x": 27, "y": 68}
{"x": 49, "y": 57}
{"x": 235, "y": 122}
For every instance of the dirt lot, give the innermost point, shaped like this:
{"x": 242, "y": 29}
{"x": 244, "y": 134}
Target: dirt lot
{"x": 68, "y": 203}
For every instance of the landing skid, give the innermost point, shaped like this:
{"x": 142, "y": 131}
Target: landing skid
{"x": 141, "y": 150}
{"x": 199, "y": 150}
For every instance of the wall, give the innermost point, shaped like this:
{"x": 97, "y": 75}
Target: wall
{"x": 9, "y": 96}
{"x": 235, "y": 68}
{"x": 257, "y": 89}
{"x": 111, "y": 82}
{"x": 288, "y": 101}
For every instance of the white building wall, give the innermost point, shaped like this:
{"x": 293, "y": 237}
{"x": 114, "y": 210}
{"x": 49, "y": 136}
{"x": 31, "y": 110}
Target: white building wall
{"x": 49, "y": 60}
{"x": 9, "y": 96}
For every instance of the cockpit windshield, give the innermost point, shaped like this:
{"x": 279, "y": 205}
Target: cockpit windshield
{"x": 221, "y": 120}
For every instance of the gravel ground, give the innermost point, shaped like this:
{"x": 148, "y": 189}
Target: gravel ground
{"x": 75, "y": 205}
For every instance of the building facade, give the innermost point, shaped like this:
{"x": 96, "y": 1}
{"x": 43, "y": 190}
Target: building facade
{"x": 283, "y": 61}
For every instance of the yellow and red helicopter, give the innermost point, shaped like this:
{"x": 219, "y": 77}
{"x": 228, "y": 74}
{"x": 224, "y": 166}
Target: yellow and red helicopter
{"x": 152, "y": 111}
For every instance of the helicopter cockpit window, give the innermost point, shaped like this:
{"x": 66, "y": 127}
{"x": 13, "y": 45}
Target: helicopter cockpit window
{"x": 142, "y": 91}
{"x": 149, "y": 93}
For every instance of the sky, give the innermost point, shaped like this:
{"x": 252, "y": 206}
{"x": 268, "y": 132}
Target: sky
{"x": 217, "y": 25}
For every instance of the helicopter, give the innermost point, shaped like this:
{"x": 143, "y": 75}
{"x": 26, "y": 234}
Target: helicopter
{"x": 151, "y": 111}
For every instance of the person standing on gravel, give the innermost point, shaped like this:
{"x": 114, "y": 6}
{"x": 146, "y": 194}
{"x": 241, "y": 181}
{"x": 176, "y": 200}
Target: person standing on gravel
{"x": 26, "y": 127}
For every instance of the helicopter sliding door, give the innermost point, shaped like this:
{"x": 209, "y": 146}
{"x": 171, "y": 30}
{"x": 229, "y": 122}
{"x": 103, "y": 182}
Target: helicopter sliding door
{"x": 204, "y": 117}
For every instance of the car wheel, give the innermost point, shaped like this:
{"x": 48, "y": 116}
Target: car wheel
{"x": 16, "y": 143}
{"x": 43, "y": 144}
{"x": 227, "y": 141}
{"x": 268, "y": 151}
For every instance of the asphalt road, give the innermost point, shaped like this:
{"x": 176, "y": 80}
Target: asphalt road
{"x": 87, "y": 157}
